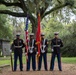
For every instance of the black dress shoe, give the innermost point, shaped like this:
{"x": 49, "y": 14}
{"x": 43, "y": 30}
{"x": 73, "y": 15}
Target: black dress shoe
{"x": 38, "y": 70}
{"x": 33, "y": 69}
{"x": 14, "y": 70}
{"x": 60, "y": 70}
{"x": 51, "y": 69}
{"x": 21, "y": 70}
{"x": 46, "y": 70}
{"x": 27, "y": 70}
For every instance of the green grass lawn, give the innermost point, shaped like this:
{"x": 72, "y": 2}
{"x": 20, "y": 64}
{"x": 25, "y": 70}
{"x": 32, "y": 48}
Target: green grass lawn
{"x": 8, "y": 61}
{"x": 3, "y": 62}
{"x": 70, "y": 60}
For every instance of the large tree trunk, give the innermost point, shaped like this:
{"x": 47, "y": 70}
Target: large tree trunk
{"x": 34, "y": 27}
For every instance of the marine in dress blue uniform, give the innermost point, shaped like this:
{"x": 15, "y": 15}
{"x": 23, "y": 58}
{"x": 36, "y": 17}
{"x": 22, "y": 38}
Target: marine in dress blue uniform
{"x": 56, "y": 44}
{"x": 43, "y": 52}
{"x": 32, "y": 53}
{"x": 18, "y": 45}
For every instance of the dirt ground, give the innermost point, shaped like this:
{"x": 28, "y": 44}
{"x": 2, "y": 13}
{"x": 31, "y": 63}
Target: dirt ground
{"x": 67, "y": 69}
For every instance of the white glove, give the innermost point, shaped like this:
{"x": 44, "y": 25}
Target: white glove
{"x": 10, "y": 51}
{"x": 52, "y": 50}
{"x": 37, "y": 52}
{"x": 26, "y": 54}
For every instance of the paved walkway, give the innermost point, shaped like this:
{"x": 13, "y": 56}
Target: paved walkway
{"x": 68, "y": 69}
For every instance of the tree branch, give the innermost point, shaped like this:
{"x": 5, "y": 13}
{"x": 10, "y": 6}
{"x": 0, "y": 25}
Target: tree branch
{"x": 23, "y": 5}
{"x": 42, "y": 10}
{"x": 54, "y": 9}
{"x": 59, "y": 1}
{"x": 10, "y": 4}
{"x": 26, "y": 10}
{"x": 13, "y": 13}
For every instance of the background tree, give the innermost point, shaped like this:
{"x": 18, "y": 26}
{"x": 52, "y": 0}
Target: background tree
{"x": 32, "y": 7}
{"x": 53, "y": 25}
{"x": 69, "y": 39}
{"x": 67, "y": 33}
{"x": 56, "y": 15}
{"x": 5, "y": 27}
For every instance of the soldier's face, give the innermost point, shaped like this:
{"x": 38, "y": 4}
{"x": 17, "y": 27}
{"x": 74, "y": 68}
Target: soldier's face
{"x": 42, "y": 37}
{"x": 56, "y": 36}
{"x": 17, "y": 37}
{"x": 31, "y": 37}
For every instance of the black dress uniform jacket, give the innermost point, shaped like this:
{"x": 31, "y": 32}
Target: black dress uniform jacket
{"x": 32, "y": 43}
{"x": 56, "y": 43}
{"x": 44, "y": 43}
{"x": 18, "y": 45}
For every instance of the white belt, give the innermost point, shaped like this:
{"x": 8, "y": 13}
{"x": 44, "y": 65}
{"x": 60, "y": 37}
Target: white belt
{"x": 17, "y": 46}
{"x": 42, "y": 50}
{"x": 56, "y": 45}
{"x": 31, "y": 49}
